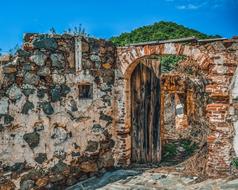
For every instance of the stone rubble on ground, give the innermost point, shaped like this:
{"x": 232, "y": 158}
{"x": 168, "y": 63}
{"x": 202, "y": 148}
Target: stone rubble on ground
{"x": 135, "y": 180}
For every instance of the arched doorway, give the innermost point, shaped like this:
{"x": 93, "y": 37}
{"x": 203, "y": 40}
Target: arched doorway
{"x": 209, "y": 65}
{"x": 145, "y": 113}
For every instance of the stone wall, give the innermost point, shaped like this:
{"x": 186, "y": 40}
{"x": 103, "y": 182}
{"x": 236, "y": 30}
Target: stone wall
{"x": 51, "y": 133}
{"x": 65, "y": 106}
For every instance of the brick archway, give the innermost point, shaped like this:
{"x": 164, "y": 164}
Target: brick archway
{"x": 129, "y": 58}
{"x": 218, "y": 66}
{"x": 128, "y": 55}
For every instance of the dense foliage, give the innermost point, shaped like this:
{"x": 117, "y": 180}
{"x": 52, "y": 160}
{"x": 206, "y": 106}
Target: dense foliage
{"x": 158, "y": 31}
{"x": 169, "y": 62}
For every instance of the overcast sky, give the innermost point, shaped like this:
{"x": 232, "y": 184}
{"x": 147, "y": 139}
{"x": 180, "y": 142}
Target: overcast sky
{"x": 106, "y": 18}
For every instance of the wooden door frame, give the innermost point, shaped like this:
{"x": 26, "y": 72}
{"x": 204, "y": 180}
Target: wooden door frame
{"x": 128, "y": 107}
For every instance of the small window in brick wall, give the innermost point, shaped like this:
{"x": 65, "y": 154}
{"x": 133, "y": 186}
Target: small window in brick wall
{"x": 85, "y": 91}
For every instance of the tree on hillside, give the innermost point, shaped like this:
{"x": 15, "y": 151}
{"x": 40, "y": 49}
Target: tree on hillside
{"x": 158, "y": 31}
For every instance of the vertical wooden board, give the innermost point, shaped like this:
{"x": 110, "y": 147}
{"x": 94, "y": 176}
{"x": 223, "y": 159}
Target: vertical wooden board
{"x": 134, "y": 156}
{"x": 145, "y": 112}
{"x": 135, "y": 84}
{"x": 145, "y": 89}
{"x": 156, "y": 123}
{"x": 150, "y": 117}
{"x": 162, "y": 122}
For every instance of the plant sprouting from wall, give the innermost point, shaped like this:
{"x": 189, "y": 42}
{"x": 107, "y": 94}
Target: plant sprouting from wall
{"x": 168, "y": 62}
{"x": 13, "y": 50}
{"x": 53, "y": 30}
{"x": 77, "y": 31}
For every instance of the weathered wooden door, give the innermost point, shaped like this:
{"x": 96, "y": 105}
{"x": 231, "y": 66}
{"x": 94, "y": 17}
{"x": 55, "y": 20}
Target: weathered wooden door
{"x": 145, "y": 104}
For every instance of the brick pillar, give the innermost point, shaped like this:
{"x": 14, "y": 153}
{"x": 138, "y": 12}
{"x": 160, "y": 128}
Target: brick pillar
{"x": 221, "y": 129}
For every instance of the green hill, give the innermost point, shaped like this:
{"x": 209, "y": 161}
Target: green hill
{"x": 158, "y": 31}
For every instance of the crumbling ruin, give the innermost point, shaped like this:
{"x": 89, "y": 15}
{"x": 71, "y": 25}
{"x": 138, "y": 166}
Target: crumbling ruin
{"x": 66, "y": 106}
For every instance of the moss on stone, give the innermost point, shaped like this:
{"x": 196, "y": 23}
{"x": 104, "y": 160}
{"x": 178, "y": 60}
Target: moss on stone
{"x": 177, "y": 151}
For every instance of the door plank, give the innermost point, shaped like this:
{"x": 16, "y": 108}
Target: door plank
{"x": 145, "y": 112}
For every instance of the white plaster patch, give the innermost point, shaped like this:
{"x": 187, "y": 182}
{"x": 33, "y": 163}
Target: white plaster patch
{"x": 187, "y": 51}
{"x": 220, "y": 69}
{"x": 134, "y": 53}
{"x": 234, "y": 85}
{"x": 219, "y": 61}
{"x": 169, "y": 48}
{"x": 38, "y": 58}
{"x": 142, "y": 52}
{"x": 235, "y": 140}
{"x": 58, "y": 79}
{"x": 4, "y": 105}
{"x": 196, "y": 53}
{"x": 179, "y": 110}
{"x": 78, "y": 54}
{"x": 234, "y": 97}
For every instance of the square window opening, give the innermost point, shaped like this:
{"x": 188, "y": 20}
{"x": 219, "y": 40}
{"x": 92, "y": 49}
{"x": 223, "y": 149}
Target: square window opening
{"x": 85, "y": 91}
